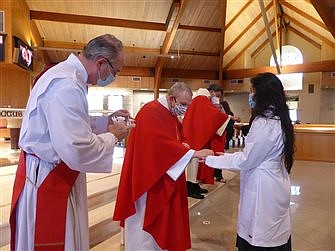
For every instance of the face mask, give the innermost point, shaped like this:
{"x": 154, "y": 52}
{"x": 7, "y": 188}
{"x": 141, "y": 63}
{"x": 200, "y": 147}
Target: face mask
{"x": 178, "y": 109}
{"x": 107, "y": 81}
{"x": 252, "y": 102}
{"x": 215, "y": 100}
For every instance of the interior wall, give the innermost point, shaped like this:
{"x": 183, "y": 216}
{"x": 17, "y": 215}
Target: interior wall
{"x": 311, "y": 107}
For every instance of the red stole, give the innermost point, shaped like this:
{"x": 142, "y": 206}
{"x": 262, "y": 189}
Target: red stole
{"x": 200, "y": 124}
{"x": 154, "y": 146}
{"x": 52, "y": 197}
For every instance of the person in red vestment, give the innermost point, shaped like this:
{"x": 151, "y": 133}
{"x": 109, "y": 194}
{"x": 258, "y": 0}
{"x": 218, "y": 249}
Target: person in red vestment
{"x": 203, "y": 127}
{"x": 151, "y": 201}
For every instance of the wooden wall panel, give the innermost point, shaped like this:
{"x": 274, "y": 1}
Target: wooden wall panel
{"x": 14, "y": 86}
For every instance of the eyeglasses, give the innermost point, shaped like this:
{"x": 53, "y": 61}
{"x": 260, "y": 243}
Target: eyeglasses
{"x": 183, "y": 104}
{"x": 116, "y": 72}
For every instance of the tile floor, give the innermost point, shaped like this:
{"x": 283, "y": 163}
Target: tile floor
{"x": 213, "y": 219}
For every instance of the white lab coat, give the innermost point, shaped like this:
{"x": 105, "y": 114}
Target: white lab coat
{"x": 264, "y": 209}
{"x": 56, "y": 126}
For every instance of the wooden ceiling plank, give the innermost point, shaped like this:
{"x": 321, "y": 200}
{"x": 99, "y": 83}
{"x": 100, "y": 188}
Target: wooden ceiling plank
{"x": 326, "y": 10}
{"x": 309, "y": 30}
{"x": 92, "y": 20}
{"x": 268, "y": 31}
{"x": 245, "y": 30}
{"x": 303, "y": 14}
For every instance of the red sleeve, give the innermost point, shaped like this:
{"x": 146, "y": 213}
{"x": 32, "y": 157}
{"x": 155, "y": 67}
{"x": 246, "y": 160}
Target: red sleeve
{"x": 201, "y": 122}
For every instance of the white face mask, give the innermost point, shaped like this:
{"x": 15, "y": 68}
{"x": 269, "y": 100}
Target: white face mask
{"x": 215, "y": 100}
{"x": 179, "y": 109}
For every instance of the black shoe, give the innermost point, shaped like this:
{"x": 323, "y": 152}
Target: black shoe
{"x": 200, "y": 190}
{"x": 196, "y": 196}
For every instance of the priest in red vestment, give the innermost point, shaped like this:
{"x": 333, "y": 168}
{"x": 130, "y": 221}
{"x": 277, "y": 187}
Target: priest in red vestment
{"x": 152, "y": 202}
{"x": 204, "y": 127}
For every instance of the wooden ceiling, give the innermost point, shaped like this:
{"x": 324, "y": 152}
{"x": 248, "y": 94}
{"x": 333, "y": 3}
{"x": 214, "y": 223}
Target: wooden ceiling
{"x": 199, "y": 31}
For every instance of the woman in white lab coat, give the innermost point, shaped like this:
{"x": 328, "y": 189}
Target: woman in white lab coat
{"x": 264, "y": 165}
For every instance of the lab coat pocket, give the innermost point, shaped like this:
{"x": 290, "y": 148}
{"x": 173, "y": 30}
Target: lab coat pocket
{"x": 247, "y": 208}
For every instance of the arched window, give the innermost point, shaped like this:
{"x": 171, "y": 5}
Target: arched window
{"x": 290, "y": 55}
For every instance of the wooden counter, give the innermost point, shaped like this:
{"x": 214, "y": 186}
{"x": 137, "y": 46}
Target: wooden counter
{"x": 315, "y": 142}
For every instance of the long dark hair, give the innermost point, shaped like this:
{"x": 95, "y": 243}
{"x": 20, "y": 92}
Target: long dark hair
{"x": 270, "y": 97}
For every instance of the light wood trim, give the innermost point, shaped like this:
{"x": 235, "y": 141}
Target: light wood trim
{"x": 307, "y": 38}
{"x": 321, "y": 66}
{"x": 326, "y": 12}
{"x": 241, "y": 34}
{"x": 93, "y": 20}
{"x": 306, "y": 28}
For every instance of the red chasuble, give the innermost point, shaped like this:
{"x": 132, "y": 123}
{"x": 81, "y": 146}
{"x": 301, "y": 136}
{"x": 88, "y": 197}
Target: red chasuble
{"x": 200, "y": 124}
{"x": 154, "y": 146}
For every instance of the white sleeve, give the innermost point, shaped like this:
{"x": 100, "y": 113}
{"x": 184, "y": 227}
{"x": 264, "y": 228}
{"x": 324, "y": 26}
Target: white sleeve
{"x": 178, "y": 168}
{"x": 71, "y": 134}
{"x": 259, "y": 143}
{"x": 99, "y": 124}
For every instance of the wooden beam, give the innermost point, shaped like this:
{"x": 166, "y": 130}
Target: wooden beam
{"x": 77, "y": 47}
{"x": 309, "y": 30}
{"x": 254, "y": 39}
{"x": 326, "y": 10}
{"x": 93, "y": 20}
{"x": 245, "y": 30}
{"x": 303, "y": 14}
{"x": 223, "y": 33}
{"x": 178, "y": 6}
{"x": 261, "y": 46}
{"x": 322, "y": 66}
{"x": 304, "y": 36}
{"x": 268, "y": 31}
{"x": 137, "y": 71}
{"x": 199, "y": 28}
{"x": 239, "y": 13}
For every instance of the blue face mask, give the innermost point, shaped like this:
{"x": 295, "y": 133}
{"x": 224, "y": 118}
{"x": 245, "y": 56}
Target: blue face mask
{"x": 251, "y": 100}
{"x": 107, "y": 81}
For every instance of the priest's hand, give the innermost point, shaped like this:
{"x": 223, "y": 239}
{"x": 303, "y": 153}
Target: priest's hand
{"x": 119, "y": 129}
{"x": 121, "y": 113}
{"x": 202, "y": 154}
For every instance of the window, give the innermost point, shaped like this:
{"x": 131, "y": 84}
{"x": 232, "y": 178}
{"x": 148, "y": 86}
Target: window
{"x": 290, "y": 55}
